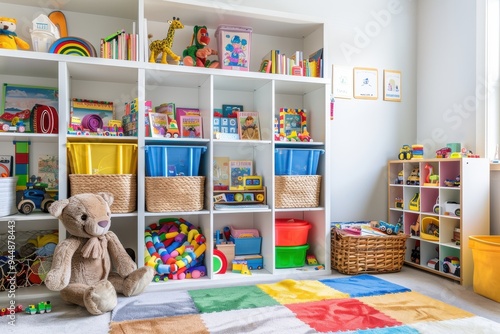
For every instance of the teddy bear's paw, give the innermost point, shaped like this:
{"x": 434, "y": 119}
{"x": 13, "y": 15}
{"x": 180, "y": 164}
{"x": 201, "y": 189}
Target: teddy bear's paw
{"x": 137, "y": 281}
{"x": 101, "y": 298}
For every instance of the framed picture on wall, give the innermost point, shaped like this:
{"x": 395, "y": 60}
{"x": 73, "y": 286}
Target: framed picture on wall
{"x": 392, "y": 85}
{"x": 365, "y": 83}
{"x": 342, "y": 82}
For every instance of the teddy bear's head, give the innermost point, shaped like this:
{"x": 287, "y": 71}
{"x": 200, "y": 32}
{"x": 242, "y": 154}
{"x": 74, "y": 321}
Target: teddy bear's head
{"x": 8, "y": 24}
{"x": 84, "y": 215}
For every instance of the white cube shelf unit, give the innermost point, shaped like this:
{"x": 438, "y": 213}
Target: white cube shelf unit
{"x": 457, "y": 201}
{"x": 122, "y": 81}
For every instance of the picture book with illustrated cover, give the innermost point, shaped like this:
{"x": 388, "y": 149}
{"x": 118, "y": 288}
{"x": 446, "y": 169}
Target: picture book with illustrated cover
{"x": 230, "y": 109}
{"x": 238, "y": 169}
{"x": 48, "y": 171}
{"x": 158, "y": 124}
{"x": 248, "y": 125}
{"x": 221, "y": 171}
{"x": 289, "y": 123}
{"x": 293, "y": 119}
{"x": 167, "y": 108}
{"x": 191, "y": 127}
{"x": 265, "y": 66}
{"x": 181, "y": 111}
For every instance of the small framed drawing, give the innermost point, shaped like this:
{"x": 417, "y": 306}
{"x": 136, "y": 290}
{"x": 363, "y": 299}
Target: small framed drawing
{"x": 365, "y": 83}
{"x": 342, "y": 82}
{"x": 392, "y": 85}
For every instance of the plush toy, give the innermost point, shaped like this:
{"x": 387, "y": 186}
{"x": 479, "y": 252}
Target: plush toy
{"x": 82, "y": 263}
{"x": 164, "y": 46}
{"x": 197, "y": 53}
{"x": 8, "y": 37}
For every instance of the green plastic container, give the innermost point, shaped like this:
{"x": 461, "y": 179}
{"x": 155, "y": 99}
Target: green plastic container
{"x": 291, "y": 256}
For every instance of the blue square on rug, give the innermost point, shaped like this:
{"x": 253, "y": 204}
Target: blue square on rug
{"x": 363, "y": 285}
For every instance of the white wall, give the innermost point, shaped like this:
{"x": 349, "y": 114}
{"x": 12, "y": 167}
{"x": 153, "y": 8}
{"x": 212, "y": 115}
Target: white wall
{"x": 446, "y": 63}
{"x": 433, "y": 44}
{"x": 365, "y": 133}
{"x": 451, "y": 81}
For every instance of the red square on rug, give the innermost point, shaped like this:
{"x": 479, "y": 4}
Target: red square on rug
{"x": 341, "y": 315}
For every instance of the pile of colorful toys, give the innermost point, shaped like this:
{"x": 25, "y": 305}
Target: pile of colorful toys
{"x": 175, "y": 249}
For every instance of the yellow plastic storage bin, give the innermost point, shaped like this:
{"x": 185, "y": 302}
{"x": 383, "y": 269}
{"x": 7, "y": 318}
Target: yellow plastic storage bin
{"x": 102, "y": 158}
{"x": 485, "y": 254}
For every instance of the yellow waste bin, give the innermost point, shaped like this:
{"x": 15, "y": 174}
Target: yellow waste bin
{"x": 485, "y": 254}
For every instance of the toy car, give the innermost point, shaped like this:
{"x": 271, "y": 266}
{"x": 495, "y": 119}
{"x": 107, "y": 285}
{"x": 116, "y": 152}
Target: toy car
{"x": 33, "y": 197}
{"x": 173, "y": 130}
{"x": 453, "y": 182}
{"x": 40, "y": 308}
{"x": 414, "y": 178}
{"x": 405, "y": 153}
{"x": 433, "y": 263}
{"x": 443, "y": 152}
{"x": 451, "y": 265}
{"x": 449, "y": 208}
{"x": 7, "y": 311}
{"x": 389, "y": 228}
{"x": 415, "y": 202}
{"x": 452, "y": 208}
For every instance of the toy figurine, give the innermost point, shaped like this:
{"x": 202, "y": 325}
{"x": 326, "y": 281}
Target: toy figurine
{"x": 415, "y": 228}
{"x": 164, "y": 46}
{"x": 8, "y": 37}
{"x": 197, "y": 53}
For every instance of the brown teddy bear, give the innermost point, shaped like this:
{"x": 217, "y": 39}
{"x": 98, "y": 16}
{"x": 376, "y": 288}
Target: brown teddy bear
{"x": 82, "y": 263}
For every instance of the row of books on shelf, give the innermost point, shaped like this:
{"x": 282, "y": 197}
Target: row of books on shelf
{"x": 120, "y": 45}
{"x": 278, "y": 63}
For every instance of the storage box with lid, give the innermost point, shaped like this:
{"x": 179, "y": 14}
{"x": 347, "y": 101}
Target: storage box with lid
{"x": 234, "y": 44}
{"x": 291, "y": 232}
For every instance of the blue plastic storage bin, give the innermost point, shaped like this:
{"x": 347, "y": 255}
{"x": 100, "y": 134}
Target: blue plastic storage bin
{"x": 170, "y": 160}
{"x": 246, "y": 246}
{"x": 291, "y": 161}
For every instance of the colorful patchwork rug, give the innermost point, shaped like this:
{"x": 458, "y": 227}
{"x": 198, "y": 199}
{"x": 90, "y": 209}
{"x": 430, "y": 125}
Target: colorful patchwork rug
{"x": 354, "y": 304}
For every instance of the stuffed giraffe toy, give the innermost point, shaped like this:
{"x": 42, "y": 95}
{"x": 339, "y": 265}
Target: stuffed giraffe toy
{"x": 164, "y": 46}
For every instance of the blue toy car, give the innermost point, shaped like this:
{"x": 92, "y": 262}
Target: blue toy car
{"x": 33, "y": 197}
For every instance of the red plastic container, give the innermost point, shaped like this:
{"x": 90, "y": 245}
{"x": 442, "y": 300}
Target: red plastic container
{"x": 291, "y": 232}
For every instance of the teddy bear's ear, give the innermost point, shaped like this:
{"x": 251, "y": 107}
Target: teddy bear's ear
{"x": 108, "y": 197}
{"x": 56, "y": 208}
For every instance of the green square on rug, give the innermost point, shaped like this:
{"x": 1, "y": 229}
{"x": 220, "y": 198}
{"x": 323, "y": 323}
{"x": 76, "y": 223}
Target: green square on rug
{"x": 231, "y": 298}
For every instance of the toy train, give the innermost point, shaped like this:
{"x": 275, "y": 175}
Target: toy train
{"x": 251, "y": 261}
{"x": 40, "y": 308}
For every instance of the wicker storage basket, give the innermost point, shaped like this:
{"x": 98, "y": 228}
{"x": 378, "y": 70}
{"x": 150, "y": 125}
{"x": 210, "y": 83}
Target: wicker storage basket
{"x": 297, "y": 191}
{"x": 178, "y": 193}
{"x": 122, "y": 186}
{"x": 359, "y": 254}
